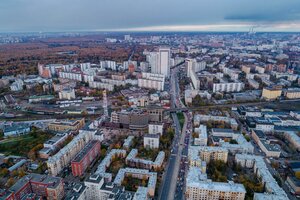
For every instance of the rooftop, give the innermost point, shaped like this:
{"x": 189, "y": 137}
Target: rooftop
{"x": 83, "y": 152}
{"x": 50, "y": 181}
{"x": 151, "y": 136}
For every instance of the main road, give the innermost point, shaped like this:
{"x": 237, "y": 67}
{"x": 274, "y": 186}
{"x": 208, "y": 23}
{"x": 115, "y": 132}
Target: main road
{"x": 168, "y": 188}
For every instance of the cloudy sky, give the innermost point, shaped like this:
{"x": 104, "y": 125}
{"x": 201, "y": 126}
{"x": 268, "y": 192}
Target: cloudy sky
{"x": 149, "y": 15}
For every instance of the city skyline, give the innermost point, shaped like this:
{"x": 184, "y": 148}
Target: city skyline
{"x": 129, "y": 15}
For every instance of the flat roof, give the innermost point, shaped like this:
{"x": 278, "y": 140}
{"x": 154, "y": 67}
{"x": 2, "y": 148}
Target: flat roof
{"x": 51, "y": 181}
{"x": 83, "y": 152}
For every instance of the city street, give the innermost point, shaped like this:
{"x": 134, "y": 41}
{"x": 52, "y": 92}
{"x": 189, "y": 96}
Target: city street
{"x": 170, "y": 179}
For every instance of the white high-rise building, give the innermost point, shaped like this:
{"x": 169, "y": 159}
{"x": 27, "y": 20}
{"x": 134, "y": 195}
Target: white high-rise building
{"x": 105, "y": 104}
{"x": 194, "y": 65}
{"x": 190, "y": 64}
{"x": 85, "y": 66}
{"x": 153, "y": 59}
{"x": 127, "y": 37}
{"x": 164, "y": 61}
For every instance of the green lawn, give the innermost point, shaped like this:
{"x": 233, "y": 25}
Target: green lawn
{"x": 181, "y": 119}
{"x": 11, "y": 141}
{"x": 23, "y": 144}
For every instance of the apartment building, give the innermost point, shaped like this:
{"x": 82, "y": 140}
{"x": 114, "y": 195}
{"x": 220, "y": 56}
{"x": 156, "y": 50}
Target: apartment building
{"x": 42, "y": 186}
{"x": 292, "y": 93}
{"x": 271, "y": 93}
{"x": 63, "y": 158}
{"x": 228, "y": 87}
{"x": 133, "y": 160}
{"x": 202, "y": 137}
{"x": 85, "y": 157}
{"x": 155, "y": 128}
{"x": 272, "y": 189}
{"x": 152, "y": 81}
{"x": 151, "y": 141}
{"x": 65, "y": 125}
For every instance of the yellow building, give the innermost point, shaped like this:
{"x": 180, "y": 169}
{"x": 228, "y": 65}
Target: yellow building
{"x": 246, "y": 69}
{"x": 271, "y": 93}
{"x": 292, "y": 93}
{"x": 65, "y": 125}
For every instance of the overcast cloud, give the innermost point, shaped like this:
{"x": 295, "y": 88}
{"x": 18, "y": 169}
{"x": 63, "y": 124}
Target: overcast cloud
{"x": 89, "y": 15}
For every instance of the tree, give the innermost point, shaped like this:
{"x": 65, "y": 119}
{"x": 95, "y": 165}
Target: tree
{"x": 297, "y": 174}
{"x": 198, "y": 101}
{"x": 32, "y": 155}
{"x": 232, "y": 141}
{"x": 10, "y": 182}
{"x": 247, "y": 137}
{"x": 195, "y": 135}
{"x": 218, "y": 96}
{"x": 21, "y": 173}
{"x": 10, "y": 162}
{"x": 1, "y": 135}
{"x": 4, "y": 172}
{"x": 102, "y": 153}
{"x": 14, "y": 173}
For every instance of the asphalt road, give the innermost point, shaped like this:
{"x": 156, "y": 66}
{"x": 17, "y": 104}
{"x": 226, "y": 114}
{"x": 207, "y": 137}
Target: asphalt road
{"x": 169, "y": 185}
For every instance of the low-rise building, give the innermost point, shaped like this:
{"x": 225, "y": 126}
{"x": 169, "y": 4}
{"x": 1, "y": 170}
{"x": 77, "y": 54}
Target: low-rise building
{"x": 214, "y": 190}
{"x": 202, "y": 138}
{"x": 155, "y": 128}
{"x": 292, "y": 93}
{"x": 253, "y": 83}
{"x": 68, "y": 94}
{"x": 260, "y": 168}
{"x": 140, "y": 174}
{"x": 294, "y": 184}
{"x": 133, "y": 160}
{"x": 271, "y": 150}
{"x": 54, "y": 142}
{"x": 249, "y": 111}
{"x": 293, "y": 138}
{"x": 151, "y": 141}
{"x": 42, "y": 186}
{"x": 78, "y": 192}
{"x": 37, "y": 99}
{"x": 205, "y": 118}
{"x": 199, "y": 187}
{"x": 17, "y": 85}
{"x": 133, "y": 119}
{"x": 197, "y": 154}
{"x": 242, "y": 146}
{"x": 128, "y": 141}
{"x": 222, "y": 132}
{"x": 105, "y": 163}
{"x": 66, "y": 125}
{"x": 260, "y": 123}
{"x": 15, "y": 129}
{"x": 271, "y": 93}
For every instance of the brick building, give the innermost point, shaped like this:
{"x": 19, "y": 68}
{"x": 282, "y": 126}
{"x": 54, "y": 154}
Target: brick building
{"x": 85, "y": 157}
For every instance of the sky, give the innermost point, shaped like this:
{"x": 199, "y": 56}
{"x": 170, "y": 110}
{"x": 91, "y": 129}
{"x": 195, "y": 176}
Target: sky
{"x": 149, "y": 15}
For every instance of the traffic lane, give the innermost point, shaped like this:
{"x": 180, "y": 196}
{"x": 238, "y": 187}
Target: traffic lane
{"x": 168, "y": 178}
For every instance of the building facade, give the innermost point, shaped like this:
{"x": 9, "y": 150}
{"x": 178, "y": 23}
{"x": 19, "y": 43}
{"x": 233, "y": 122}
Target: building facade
{"x": 85, "y": 157}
